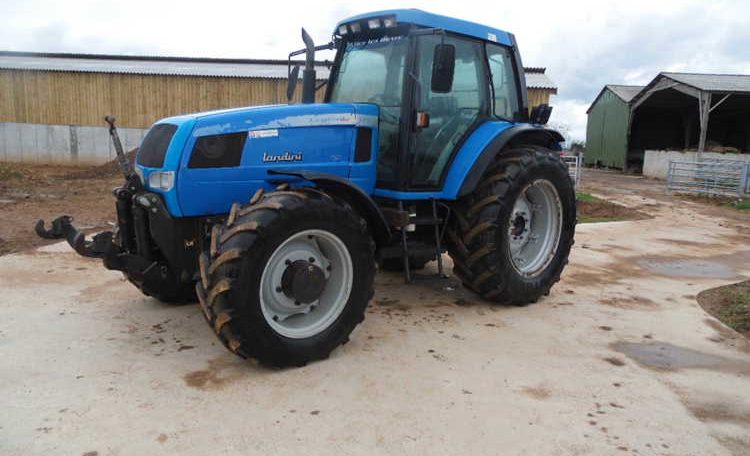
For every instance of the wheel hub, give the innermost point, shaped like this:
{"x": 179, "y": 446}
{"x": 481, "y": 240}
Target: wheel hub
{"x": 303, "y": 281}
{"x": 520, "y": 222}
{"x": 306, "y": 283}
{"x": 519, "y": 226}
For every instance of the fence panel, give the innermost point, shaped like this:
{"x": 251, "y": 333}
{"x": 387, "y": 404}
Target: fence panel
{"x": 709, "y": 177}
{"x": 575, "y": 164}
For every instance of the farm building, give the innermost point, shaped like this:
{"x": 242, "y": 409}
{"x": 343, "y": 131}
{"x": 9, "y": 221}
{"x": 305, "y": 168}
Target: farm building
{"x": 607, "y": 127}
{"x": 540, "y": 87}
{"x": 675, "y": 116}
{"x": 52, "y": 105}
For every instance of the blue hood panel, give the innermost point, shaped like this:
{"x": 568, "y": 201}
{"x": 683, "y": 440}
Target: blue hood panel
{"x": 310, "y": 137}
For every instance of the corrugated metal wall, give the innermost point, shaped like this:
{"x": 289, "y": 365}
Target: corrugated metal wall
{"x": 607, "y": 131}
{"x": 61, "y": 98}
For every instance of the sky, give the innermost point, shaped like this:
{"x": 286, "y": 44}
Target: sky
{"x": 583, "y": 44}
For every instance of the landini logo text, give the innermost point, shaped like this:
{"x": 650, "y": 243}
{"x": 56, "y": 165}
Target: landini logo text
{"x": 285, "y": 157}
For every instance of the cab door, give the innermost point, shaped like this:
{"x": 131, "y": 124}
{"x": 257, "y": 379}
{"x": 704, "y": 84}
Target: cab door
{"x": 446, "y": 116}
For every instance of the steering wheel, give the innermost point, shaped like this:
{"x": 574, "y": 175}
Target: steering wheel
{"x": 433, "y": 151}
{"x": 446, "y": 131}
{"x": 444, "y": 135}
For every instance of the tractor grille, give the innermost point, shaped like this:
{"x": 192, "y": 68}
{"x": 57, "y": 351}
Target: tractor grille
{"x": 155, "y": 144}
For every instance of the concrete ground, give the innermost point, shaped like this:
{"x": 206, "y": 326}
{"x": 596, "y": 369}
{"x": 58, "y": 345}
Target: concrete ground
{"x": 618, "y": 359}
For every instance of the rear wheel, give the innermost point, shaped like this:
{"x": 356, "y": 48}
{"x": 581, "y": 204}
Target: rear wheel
{"x": 288, "y": 277}
{"x": 511, "y": 237}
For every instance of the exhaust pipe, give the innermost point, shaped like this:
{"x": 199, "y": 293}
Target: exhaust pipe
{"x": 308, "y": 74}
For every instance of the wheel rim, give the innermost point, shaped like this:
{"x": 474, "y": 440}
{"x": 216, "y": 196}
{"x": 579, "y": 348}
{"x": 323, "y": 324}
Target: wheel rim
{"x": 534, "y": 228}
{"x": 287, "y": 315}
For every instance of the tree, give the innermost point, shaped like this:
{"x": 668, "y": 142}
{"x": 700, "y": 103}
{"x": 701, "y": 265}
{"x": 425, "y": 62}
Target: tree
{"x": 578, "y": 146}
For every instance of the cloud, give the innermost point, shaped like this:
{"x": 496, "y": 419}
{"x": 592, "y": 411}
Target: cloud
{"x": 584, "y": 44}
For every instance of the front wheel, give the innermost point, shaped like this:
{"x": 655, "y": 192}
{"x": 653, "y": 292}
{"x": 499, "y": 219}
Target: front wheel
{"x": 511, "y": 237}
{"x": 288, "y": 277}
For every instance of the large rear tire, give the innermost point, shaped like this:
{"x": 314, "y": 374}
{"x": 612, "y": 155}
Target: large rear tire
{"x": 511, "y": 237}
{"x": 288, "y": 277}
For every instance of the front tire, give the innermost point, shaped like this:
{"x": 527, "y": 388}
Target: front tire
{"x": 288, "y": 277}
{"x": 510, "y": 239}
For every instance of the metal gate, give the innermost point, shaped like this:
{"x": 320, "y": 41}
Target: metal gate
{"x": 709, "y": 177}
{"x": 575, "y": 163}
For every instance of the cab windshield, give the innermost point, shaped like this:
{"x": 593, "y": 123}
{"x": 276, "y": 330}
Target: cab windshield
{"x": 373, "y": 72}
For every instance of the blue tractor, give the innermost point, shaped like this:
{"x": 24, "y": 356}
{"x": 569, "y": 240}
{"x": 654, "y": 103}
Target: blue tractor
{"x": 275, "y": 218}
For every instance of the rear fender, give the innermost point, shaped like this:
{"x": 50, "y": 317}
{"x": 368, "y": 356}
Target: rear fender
{"x": 511, "y": 136}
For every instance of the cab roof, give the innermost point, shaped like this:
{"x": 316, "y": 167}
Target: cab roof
{"x": 449, "y": 24}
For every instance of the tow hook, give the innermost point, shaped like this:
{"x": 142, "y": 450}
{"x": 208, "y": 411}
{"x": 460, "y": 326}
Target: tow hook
{"x": 99, "y": 246}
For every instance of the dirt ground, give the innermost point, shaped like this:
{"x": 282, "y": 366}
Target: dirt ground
{"x": 601, "y": 210}
{"x": 28, "y": 193}
{"x": 730, "y": 304}
{"x": 619, "y": 359}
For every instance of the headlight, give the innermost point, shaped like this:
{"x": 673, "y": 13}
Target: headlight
{"x": 161, "y": 180}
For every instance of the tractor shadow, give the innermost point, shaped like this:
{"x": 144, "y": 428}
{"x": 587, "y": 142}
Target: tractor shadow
{"x": 427, "y": 292}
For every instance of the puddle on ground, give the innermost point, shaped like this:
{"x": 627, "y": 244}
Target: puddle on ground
{"x": 663, "y": 355}
{"x": 725, "y": 266}
{"x": 689, "y": 268}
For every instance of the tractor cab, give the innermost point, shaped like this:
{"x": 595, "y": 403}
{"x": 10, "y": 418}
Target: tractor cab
{"x": 435, "y": 80}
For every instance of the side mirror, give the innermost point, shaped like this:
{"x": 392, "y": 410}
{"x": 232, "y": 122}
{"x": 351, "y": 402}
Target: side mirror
{"x": 540, "y": 114}
{"x": 443, "y": 65}
{"x": 291, "y": 83}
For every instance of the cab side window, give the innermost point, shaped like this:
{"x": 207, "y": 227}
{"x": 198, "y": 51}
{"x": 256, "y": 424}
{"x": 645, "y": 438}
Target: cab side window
{"x": 505, "y": 100}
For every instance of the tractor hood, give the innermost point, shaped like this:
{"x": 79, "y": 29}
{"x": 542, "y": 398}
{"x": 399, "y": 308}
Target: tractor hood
{"x": 280, "y": 116}
{"x": 213, "y": 155}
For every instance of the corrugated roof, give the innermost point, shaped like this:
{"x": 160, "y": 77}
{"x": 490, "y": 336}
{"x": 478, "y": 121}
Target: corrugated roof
{"x": 535, "y": 80}
{"x": 625, "y": 92}
{"x": 713, "y": 82}
{"x": 184, "y": 66}
{"x": 171, "y": 66}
